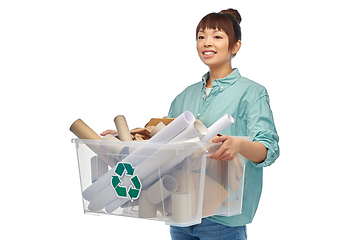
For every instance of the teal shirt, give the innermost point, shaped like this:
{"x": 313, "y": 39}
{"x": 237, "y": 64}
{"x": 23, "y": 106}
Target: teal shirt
{"x": 248, "y": 103}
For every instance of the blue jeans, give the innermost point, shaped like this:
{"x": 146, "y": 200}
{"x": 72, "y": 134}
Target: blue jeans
{"x": 208, "y": 230}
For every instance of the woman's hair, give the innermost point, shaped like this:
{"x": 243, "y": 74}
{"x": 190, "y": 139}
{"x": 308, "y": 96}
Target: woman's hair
{"x": 226, "y": 20}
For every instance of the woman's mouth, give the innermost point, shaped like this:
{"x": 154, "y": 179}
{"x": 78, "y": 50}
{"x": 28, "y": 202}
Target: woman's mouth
{"x": 208, "y": 54}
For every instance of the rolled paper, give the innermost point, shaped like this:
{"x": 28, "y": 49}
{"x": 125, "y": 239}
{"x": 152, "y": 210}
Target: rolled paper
{"x": 157, "y": 128}
{"x": 181, "y": 207}
{"x": 182, "y": 178}
{"x": 99, "y": 185}
{"x": 162, "y": 189}
{"x": 137, "y": 156}
{"x": 100, "y": 200}
{"x": 98, "y": 168}
{"x": 219, "y": 126}
{"x": 196, "y": 129}
{"x": 122, "y": 128}
{"x": 189, "y": 182}
{"x": 174, "y": 128}
{"x": 146, "y": 208}
{"x": 83, "y": 131}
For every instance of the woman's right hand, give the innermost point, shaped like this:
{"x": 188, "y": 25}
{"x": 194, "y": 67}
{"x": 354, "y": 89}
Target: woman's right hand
{"x": 112, "y": 132}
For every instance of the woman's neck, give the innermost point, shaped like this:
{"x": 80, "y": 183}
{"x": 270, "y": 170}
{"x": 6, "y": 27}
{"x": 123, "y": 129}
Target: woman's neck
{"x": 218, "y": 73}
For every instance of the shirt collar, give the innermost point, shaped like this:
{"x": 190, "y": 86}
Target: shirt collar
{"x": 224, "y": 82}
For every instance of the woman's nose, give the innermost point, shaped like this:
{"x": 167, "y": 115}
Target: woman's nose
{"x": 207, "y": 43}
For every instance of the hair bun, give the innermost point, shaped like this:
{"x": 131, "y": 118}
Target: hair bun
{"x": 234, "y": 13}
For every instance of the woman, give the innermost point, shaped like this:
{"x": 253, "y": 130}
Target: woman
{"x": 224, "y": 91}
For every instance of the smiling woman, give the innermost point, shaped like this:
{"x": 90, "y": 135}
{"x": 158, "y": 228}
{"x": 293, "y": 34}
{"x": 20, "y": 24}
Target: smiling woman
{"x": 218, "y": 37}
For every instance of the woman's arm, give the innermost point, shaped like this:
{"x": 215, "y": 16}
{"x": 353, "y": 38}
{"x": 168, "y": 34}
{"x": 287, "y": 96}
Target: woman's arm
{"x": 254, "y": 151}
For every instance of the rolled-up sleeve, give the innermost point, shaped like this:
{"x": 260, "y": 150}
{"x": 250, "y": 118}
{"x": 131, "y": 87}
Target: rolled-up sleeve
{"x": 261, "y": 128}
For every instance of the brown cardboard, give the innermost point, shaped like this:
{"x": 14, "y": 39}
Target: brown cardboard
{"x": 155, "y": 121}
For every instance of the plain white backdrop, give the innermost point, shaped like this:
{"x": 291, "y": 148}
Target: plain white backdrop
{"x": 63, "y": 60}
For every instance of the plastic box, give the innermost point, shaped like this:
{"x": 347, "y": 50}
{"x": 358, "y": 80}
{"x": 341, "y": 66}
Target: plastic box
{"x": 175, "y": 183}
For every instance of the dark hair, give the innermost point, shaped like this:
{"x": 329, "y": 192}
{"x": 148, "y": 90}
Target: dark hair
{"x": 226, "y": 20}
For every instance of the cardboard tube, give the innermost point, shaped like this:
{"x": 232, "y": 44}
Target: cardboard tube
{"x": 181, "y": 207}
{"x": 146, "y": 208}
{"x": 162, "y": 189}
{"x": 157, "y": 128}
{"x": 195, "y": 129}
{"x": 122, "y": 128}
{"x": 83, "y": 131}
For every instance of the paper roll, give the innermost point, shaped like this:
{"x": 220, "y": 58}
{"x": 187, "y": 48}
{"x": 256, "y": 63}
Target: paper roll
{"x": 83, "y": 131}
{"x": 196, "y": 129}
{"x": 219, "y": 126}
{"x": 122, "y": 128}
{"x": 100, "y": 200}
{"x": 174, "y": 128}
{"x": 162, "y": 189}
{"x": 146, "y": 208}
{"x": 181, "y": 207}
{"x": 157, "y": 128}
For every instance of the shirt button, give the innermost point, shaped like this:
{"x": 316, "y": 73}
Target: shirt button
{"x": 198, "y": 114}
{"x": 222, "y": 87}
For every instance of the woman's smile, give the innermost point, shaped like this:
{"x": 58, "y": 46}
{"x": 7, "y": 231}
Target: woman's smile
{"x": 209, "y": 53}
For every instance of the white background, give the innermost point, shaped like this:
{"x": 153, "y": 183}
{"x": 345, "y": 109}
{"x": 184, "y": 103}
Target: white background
{"x": 63, "y": 60}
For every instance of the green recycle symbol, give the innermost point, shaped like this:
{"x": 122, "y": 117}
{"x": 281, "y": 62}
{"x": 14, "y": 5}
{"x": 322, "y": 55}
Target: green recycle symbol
{"x": 134, "y": 191}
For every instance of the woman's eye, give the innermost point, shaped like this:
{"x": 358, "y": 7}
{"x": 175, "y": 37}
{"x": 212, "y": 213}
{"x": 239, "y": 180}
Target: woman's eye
{"x": 218, "y": 37}
{"x": 201, "y": 37}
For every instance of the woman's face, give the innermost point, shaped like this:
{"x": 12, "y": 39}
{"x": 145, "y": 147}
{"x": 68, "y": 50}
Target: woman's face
{"x": 213, "y": 47}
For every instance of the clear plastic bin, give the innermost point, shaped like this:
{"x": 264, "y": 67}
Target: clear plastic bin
{"x": 175, "y": 183}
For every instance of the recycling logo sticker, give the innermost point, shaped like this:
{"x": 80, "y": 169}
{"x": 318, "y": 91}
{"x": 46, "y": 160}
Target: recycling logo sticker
{"x": 122, "y": 170}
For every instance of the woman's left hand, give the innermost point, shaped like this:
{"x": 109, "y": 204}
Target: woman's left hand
{"x": 228, "y": 150}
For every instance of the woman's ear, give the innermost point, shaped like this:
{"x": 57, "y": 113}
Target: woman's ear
{"x": 236, "y": 47}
